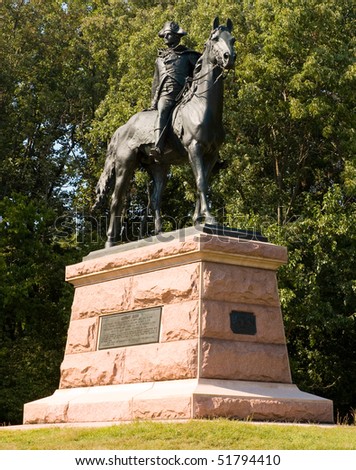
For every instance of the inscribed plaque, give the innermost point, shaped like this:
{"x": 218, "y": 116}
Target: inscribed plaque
{"x": 130, "y": 329}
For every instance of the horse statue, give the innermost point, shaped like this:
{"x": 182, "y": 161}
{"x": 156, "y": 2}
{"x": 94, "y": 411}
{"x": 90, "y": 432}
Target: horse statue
{"x": 196, "y": 134}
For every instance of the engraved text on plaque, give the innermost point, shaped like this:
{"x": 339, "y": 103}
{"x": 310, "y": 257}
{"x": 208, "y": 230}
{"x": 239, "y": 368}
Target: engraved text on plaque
{"x": 130, "y": 329}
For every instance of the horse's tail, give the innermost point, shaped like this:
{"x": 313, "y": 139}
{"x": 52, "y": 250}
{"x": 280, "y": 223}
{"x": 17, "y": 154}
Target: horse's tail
{"x": 106, "y": 179}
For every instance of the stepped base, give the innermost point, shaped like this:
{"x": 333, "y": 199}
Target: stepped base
{"x": 183, "y": 325}
{"x": 180, "y": 400}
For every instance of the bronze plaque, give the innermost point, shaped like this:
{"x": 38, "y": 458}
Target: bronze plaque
{"x": 243, "y": 323}
{"x": 130, "y": 329}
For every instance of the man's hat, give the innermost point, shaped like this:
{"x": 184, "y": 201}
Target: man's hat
{"x": 171, "y": 27}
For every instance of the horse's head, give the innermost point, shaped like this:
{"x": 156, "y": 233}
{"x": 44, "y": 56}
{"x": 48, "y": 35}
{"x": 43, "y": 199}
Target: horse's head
{"x": 221, "y": 45}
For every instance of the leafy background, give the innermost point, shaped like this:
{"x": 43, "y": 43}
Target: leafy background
{"x": 72, "y": 72}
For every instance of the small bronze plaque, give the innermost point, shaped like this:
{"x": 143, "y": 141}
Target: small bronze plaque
{"x": 243, "y": 323}
{"x": 130, "y": 329}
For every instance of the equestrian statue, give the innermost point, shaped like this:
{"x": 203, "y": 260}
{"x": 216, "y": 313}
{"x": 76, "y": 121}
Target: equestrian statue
{"x": 184, "y": 123}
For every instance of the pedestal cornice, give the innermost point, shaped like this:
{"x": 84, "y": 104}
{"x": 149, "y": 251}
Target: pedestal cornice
{"x": 154, "y": 255}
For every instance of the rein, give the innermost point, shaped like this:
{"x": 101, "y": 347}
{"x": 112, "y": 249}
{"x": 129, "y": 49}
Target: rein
{"x": 188, "y": 87}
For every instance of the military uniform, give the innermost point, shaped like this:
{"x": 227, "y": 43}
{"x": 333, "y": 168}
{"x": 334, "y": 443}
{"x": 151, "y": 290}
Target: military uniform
{"x": 173, "y": 66}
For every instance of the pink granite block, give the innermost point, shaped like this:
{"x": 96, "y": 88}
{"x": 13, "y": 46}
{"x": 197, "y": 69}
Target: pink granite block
{"x": 144, "y": 363}
{"x": 180, "y": 321}
{"x": 215, "y": 322}
{"x": 82, "y": 335}
{"x": 245, "y": 361}
{"x": 163, "y": 408}
{"x": 160, "y": 362}
{"x": 240, "y": 284}
{"x": 93, "y": 368}
{"x": 262, "y": 409}
{"x": 172, "y": 285}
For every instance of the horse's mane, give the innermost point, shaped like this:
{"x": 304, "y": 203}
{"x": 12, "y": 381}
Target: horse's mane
{"x": 188, "y": 89}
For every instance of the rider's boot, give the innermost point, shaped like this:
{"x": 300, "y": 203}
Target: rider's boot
{"x": 157, "y": 150}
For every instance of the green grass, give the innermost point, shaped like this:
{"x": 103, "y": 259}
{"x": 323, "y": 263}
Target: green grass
{"x": 216, "y": 434}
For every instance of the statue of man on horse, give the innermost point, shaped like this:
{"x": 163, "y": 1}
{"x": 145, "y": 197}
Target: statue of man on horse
{"x": 194, "y": 132}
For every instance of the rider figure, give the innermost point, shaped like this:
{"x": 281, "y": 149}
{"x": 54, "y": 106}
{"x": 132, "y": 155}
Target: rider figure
{"x": 173, "y": 66}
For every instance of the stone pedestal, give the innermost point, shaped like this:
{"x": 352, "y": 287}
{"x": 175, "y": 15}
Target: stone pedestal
{"x": 221, "y": 348}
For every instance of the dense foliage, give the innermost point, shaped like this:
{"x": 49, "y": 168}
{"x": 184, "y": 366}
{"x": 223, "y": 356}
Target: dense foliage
{"x": 71, "y": 72}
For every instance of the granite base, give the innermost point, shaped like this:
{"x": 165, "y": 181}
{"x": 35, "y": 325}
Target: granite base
{"x": 221, "y": 348}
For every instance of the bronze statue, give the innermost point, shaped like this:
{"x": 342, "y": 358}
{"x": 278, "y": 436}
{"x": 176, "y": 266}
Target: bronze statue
{"x": 174, "y": 65}
{"x": 195, "y": 134}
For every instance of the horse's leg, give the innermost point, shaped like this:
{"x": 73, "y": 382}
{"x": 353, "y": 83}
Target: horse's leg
{"x": 209, "y": 161}
{"x": 159, "y": 174}
{"x": 196, "y": 215}
{"x": 124, "y": 169}
{"x": 201, "y": 173}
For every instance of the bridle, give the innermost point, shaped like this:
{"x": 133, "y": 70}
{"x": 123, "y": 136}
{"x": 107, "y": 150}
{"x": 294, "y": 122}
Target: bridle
{"x": 189, "y": 86}
{"x": 217, "y": 53}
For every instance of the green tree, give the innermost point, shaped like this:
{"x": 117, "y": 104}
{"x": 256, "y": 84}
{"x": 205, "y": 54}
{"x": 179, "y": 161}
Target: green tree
{"x": 318, "y": 287}
{"x": 49, "y": 89}
{"x": 34, "y": 303}
{"x": 291, "y": 107}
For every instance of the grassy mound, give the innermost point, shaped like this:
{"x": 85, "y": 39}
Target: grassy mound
{"x": 218, "y": 434}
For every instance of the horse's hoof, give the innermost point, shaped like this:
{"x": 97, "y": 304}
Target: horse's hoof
{"x": 210, "y": 221}
{"x": 201, "y": 220}
{"x": 109, "y": 244}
